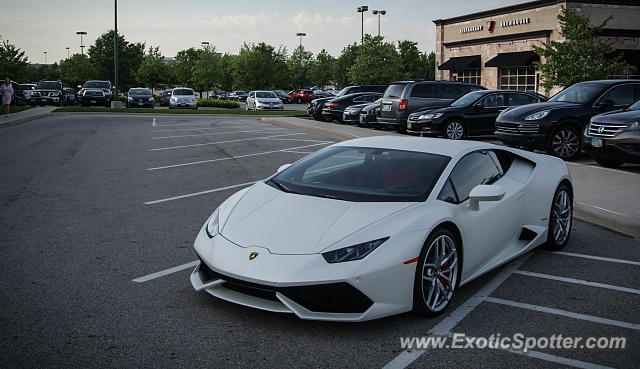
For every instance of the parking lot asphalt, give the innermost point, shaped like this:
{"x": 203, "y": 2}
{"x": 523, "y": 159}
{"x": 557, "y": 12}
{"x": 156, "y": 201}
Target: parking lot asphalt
{"x": 99, "y": 214}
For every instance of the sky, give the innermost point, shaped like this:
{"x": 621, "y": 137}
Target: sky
{"x": 36, "y": 26}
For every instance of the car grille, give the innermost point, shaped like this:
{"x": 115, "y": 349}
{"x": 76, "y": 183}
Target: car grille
{"x": 517, "y": 128}
{"x": 93, "y": 94}
{"x": 414, "y": 118}
{"x": 605, "y": 129}
{"x": 331, "y": 298}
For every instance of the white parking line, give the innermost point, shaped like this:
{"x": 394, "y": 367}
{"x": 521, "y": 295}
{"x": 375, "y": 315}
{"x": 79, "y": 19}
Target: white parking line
{"x": 577, "y": 281}
{"x": 223, "y": 133}
{"x": 225, "y": 126}
{"x": 162, "y": 273}
{"x": 238, "y": 156}
{"x": 600, "y": 258}
{"x": 187, "y": 124}
{"x": 299, "y": 152}
{"x": 445, "y": 326}
{"x": 603, "y": 209}
{"x": 153, "y": 124}
{"x": 564, "y": 313}
{"x": 228, "y": 141}
{"x": 602, "y": 168}
{"x": 199, "y": 193}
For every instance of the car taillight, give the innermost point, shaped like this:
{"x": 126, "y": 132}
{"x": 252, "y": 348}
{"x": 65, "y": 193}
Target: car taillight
{"x": 332, "y": 105}
{"x": 402, "y": 106}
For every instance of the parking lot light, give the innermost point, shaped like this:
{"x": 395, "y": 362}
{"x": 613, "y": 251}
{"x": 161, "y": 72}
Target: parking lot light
{"x": 300, "y": 34}
{"x": 81, "y": 33}
{"x": 361, "y": 10}
{"x": 379, "y": 13}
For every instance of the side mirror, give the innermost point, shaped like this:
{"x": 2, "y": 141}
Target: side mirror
{"x": 283, "y": 167}
{"x": 478, "y": 106}
{"x": 485, "y": 193}
{"x": 605, "y": 104}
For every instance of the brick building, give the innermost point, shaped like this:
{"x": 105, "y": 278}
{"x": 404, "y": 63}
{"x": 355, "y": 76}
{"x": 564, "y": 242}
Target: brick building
{"x": 495, "y": 47}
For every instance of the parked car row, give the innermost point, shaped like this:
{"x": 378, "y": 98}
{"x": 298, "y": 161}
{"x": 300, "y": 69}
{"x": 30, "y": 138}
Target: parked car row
{"x": 599, "y": 117}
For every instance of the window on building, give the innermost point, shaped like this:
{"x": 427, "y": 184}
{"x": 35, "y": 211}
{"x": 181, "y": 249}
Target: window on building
{"x": 467, "y": 75}
{"x": 518, "y": 78}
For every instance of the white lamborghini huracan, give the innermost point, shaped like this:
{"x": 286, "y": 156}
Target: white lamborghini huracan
{"x": 379, "y": 226}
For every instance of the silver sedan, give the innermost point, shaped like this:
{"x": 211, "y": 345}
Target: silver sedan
{"x": 263, "y": 100}
{"x": 182, "y": 97}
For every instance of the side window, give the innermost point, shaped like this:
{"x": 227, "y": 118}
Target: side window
{"x": 520, "y": 99}
{"x": 372, "y": 98}
{"x": 636, "y": 92}
{"x": 448, "y": 194}
{"x": 252, "y": 94}
{"x": 620, "y": 95}
{"x": 476, "y": 168}
{"x": 451, "y": 91}
{"x": 425, "y": 90}
{"x": 493, "y": 101}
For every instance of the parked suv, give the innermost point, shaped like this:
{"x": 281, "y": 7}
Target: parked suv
{"x": 48, "y": 93}
{"x": 90, "y": 94}
{"x": 315, "y": 106}
{"x": 557, "y": 125}
{"x": 613, "y": 138}
{"x": 404, "y": 97}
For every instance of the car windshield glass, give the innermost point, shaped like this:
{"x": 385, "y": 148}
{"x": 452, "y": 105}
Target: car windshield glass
{"x": 266, "y": 95}
{"x": 580, "y": 93}
{"x": 468, "y": 99}
{"x": 139, "y": 91}
{"x": 364, "y": 174}
{"x": 49, "y": 85}
{"x": 377, "y": 101}
{"x": 240, "y": 93}
{"x": 27, "y": 87}
{"x": 635, "y": 106}
{"x": 280, "y": 92}
{"x": 96, "y": 84}
{"x": 183, "y": 92}
{"x": 394, "y": 90}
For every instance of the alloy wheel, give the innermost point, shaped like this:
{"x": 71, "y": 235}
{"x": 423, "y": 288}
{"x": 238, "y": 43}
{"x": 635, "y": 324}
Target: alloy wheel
{"x": 439, "y": 273}
{"x": 455, "y": 130}
{"x": 565, "y": 143}
{"x": 561, "y": 217}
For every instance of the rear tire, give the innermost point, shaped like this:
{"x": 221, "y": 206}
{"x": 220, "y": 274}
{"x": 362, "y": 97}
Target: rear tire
{"x": 400, "y": 129}
{"x": 560, "y": 218}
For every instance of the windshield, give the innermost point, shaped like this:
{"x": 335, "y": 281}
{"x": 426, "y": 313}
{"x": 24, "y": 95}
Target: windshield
{"x": 49, "y": 85}
{"x": 27, "y": 87}
{"x": 364, "y": 174}
{"x": 139, "y": 91}
{"x": 266, "y": 95}
{"x": 183, "y": 91}
{"x": 96, "y": 84}
{"x": 240, "y": 93}
{"x": 468, "y": 99}
{"x": 580, "y": 93}
{"x": 280, "y": 92}
{"x": 395, "y": 90}
{"x": 635, "y": 106}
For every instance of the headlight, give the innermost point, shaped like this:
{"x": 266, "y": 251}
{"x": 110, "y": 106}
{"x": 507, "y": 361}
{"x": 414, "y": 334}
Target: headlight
{"x": 430, "y": 116}
{"x": 130, "y": 98}
{"x": 213, "y": 224}
{"x": 55, "y": 94}
{"x": 351, "y": 253}
{"x": 633, "y": 126}
{"x": 173, "y": 99}
{"x": 151, "y": 99}
{"x": 538, "y": 115}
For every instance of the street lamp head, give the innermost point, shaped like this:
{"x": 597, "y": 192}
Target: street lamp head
{"x": 81, "y": 33}
{"x": 383, "y": 12}
{"x": 301, "y": 34}
{"x": 362, "y": 9}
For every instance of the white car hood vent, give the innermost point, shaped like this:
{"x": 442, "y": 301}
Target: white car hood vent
{"x": 294, "y": 224}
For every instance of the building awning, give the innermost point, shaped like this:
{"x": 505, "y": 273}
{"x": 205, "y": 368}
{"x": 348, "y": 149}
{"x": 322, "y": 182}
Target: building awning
{"x": 517, "y": 59}
{"x": 462, "y": 62}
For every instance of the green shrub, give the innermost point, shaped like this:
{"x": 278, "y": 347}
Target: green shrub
{"x": 214, "y": 103}
{"x": 122, "y": 98}
{"x": 156, "y": 99}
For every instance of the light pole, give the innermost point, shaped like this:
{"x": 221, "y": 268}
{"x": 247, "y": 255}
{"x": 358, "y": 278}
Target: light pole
{"x": 300, "y": 34}
{"x": 67, "y": 51}
{"x": 361, "y": 10}
{"x": 379, "y": 13}
{"x": 115, "y": 53}
{"x": 205, "y": 44}
{"x": 81, "y": 43}
{"x": 45, "y": 57}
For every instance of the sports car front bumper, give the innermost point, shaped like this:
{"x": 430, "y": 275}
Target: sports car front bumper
{"x": 305, "y": 285}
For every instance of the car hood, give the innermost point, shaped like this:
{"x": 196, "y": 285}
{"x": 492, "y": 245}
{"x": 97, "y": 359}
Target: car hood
{"x": 519, "y": 111}
{"x": 358, "y": 106}
{"x": 618, "y": 116}
{"x": 293, "y": 224}
{"x": 269, "y": 100}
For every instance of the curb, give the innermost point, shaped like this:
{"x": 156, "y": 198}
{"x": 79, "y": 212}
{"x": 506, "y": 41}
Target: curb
{"x": 22, "y": 120}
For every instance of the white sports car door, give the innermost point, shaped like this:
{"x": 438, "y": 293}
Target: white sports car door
{"x": 494, "y": 225}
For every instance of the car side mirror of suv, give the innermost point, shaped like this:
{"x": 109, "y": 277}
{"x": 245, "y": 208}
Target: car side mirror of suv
{"x": 478, "y": 106}
{"x": 605, "y": 104}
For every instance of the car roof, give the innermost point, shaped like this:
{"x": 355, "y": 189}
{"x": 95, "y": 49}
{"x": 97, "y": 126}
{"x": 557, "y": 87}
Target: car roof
{"x": 419, "y": 144}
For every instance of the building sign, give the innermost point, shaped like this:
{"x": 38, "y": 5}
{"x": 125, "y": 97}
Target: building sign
{"x": 515, "y": 22}
{"x": 471, "y": 29}
{"x": 490, "y": 26}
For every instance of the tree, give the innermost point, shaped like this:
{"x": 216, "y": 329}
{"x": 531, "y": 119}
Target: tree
{"x": 13, "y": 62}
{"x": 183, "y": 66}
{"x": 429, "y": 66}
{"x": 130, "y": 57}
{"x": 260, "y": 66}
{"x": 300, "y": 66}
{"x": 343, "y": 63}
{"x": 411, "y": 60}
{"x": 153, "y": 72}
{"x": 206, "y": 69}
{"x": 322, "y": 69}
{"x": 582, "y": 56}
{"x": 76, "y": 70}
{"x": 376, "y": 62}
{"x": 226, "y": 69}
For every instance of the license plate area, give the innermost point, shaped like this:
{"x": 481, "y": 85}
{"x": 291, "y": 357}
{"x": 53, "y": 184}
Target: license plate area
{"x": 386, "y": 107}
{"x": 596, "y": 142}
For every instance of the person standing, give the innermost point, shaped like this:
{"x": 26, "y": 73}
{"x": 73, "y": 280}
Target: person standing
{"x": 7, "y": 92}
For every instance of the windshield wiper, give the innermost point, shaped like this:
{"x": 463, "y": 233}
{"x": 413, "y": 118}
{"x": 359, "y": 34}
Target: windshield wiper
{"x": 326, "y": 196}
{"x": 281, "y": 186}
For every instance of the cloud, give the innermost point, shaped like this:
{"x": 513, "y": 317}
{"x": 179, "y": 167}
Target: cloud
{"x": 242, "y": 20}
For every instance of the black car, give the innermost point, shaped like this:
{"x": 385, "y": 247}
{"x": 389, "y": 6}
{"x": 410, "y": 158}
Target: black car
{"x": 165, "y": 96}
{"x": 471, "y": 115}
{"x": 89, "y": 94}
{"x": 69, "y": 96}
{"x": 557, "y": 125}
{"x": 613, "y": 138}
{"x": 369, "y": 116}
{"x": 139, "y": 98}
{"x": 314, "y": 108}
{"x": 282, "y": 95}
{"x": 219, "y": 95}
{"x": 334, "y": 108}
{"x": 352, "y": 113}
{"x": 48, "y": 93}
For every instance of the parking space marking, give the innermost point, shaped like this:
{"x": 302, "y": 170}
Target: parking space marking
{"x": 557, "y": 359}
{"x": 600, "y": 258}
{"x": 293, "y": 139}
{"x": 299, "y": 152}
{"x": 200, "y": 193}
{"x": 153, "y": 124}
{"x": 568, "y": 314}
{"x": 445, "y": 326}
{"x": 228, "y": 141}
{"x": 187, "y": 124}
{"x": 162, "y": 273}
{"x": 225, "y": 126}
{"x": 222, "y": 133}
{"x": 577, "y": 281}
{"x": 603, "y": 168}
{"x": 238, "y": 156}
{"x": 603, "y": 209}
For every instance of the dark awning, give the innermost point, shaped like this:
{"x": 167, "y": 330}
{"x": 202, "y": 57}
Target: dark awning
{"x": 463, "y": 62}
{"x": 517, "y": 59}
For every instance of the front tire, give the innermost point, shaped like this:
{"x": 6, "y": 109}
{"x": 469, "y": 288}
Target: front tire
{"x": 437, "y": 273}
{"x": 454, "y": 130}
{"x": 560, "y": 218}
{"x": 565, "y": 143}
